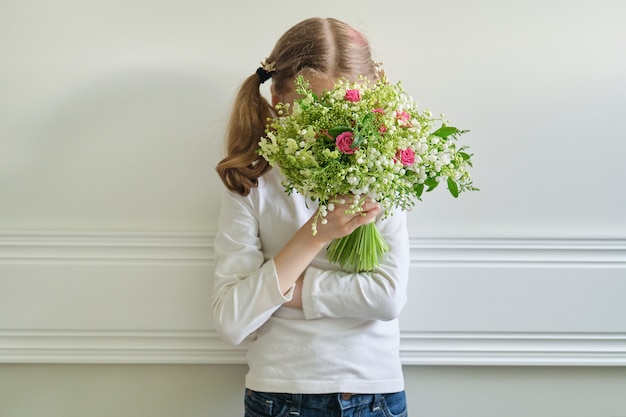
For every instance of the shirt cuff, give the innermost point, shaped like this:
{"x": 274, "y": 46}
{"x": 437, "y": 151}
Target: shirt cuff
{"x": 279, "y": 297}
{"x": 308, "y": 306}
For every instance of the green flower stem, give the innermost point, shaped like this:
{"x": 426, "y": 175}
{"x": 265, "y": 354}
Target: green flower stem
{"x": 360, "y": 251}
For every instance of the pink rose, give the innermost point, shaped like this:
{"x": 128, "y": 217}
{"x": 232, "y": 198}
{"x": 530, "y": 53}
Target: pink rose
{"x": 404, "y": 118}
{"x": 378, "y": 110}
{"x": 405, "y": 156}
{"x": 344, "y": 141}
{"x": 353, "y": 95}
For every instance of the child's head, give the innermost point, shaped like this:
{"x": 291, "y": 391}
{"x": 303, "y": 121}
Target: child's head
{"x": 322, "y": 50}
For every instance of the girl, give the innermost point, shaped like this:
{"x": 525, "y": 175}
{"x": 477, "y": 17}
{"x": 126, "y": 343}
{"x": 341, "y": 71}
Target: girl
{"x": 322, "y": 342}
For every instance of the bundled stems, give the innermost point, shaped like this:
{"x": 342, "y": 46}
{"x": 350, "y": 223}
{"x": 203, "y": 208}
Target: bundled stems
{"x": 360, "y": 251}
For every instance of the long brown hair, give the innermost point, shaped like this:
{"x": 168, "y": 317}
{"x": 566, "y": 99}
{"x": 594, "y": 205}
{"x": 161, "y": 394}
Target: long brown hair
{"x": 323, "y": 46}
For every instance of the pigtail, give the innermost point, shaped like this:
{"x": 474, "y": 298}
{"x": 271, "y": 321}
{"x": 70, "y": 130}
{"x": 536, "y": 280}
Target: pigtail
{"x": 242, "y": 166}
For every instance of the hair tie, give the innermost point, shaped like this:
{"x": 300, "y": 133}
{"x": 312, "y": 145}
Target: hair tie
{"x": 263, "y": 75}
{"x": 265, "y": 71}
{"x": 378, "y": 69}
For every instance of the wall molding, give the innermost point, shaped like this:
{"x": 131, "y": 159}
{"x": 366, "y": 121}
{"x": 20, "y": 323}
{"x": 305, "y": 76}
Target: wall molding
{"x": 519, "y": 251}
{"x": 416, "y": 348}
{"x": 56, "y": 342}
{"x": 198, "y": 247}
{"x": 105, "y": 247}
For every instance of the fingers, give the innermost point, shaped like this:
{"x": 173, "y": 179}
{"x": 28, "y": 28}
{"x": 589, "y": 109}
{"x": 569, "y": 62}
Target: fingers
{"x": 346, "y": 203}
{"x": 368, "y": 215}
{"x": 342, "y": 219}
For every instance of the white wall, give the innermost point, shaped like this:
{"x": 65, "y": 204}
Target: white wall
{"x": 111, "y": 121}
{"x": 112, "y": 112}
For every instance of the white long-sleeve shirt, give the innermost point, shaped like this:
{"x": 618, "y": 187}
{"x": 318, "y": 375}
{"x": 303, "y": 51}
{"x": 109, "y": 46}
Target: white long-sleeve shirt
{"x": 346, "y": 337}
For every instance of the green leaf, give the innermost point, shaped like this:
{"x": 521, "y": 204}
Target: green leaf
{"x": 357, "y": 141}
{"x": 367, "y": 119}
{"x": 453, "y": 187}
{"x": 445, "y": 131}
{"x": 337, "y": 130}
{"x": 419, "y": 189}
{"x": 465, "y": 156}
{"x": 431, "y": 183}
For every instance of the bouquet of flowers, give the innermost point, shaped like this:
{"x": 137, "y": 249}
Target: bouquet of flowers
{"x": 363, "y": 139}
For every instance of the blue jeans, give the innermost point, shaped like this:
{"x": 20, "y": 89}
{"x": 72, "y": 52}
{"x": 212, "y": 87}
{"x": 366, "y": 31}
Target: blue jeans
{"x": 269, "y": 404}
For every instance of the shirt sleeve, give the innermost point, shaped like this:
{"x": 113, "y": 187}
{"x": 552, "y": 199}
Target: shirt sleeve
{"x": 377, "y": 295}
{"x": 245, "y": 288}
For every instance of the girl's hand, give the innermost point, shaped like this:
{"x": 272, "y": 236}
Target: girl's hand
{"x": 341, "y": 222}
